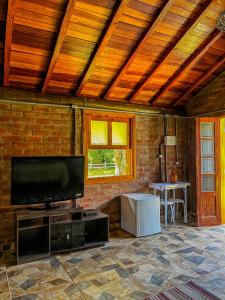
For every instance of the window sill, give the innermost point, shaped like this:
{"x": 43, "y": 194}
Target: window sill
{"x": 110, "y": 179}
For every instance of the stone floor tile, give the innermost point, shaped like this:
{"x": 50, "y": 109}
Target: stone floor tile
{"x": 34, "y": 277}
{"x": 57, "y": 293}
{"x": 128, "y": 267}
{"x": 4, "y": 287}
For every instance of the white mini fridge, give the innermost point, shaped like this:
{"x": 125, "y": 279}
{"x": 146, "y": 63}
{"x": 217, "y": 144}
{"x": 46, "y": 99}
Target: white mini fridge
{"x": 140, "y": 214}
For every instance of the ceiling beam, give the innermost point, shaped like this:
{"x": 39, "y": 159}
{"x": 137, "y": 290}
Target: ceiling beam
{"x": 187, "y": 30}
{"x": 140, "y": 44}
{"x": 200, "y": 80}
{"x": 189, "y": 63}
{"x": 24, "y": 96}
{"x": 111, "y": 24}
{"x": 8, "y": 40}
{"x": 59, "y": 42}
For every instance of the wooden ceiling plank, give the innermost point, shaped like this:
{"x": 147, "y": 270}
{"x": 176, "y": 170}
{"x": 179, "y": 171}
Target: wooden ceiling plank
{"x": 190, "y": 62}
{"x": 185, "y": 32}
{"x": 201, "y": 79}
{"x": 150, "y": 30}
{"x": 8, "y": 40}
{"x": 111, "y": 24}
{"x": 59, "y": 42}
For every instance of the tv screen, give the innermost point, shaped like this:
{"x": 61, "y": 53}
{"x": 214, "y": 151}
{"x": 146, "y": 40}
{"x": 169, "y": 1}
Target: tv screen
{"x": 46, "y": 179}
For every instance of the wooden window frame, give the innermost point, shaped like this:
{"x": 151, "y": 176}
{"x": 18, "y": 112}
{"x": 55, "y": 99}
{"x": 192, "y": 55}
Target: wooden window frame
{"x": 131, "y": 146}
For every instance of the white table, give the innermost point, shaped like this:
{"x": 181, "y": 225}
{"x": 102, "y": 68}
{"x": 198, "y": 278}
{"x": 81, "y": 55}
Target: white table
{"x": 165, "y": 187}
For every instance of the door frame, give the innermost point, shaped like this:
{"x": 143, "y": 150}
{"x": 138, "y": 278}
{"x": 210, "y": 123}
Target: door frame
{"x": 199, "y": 193}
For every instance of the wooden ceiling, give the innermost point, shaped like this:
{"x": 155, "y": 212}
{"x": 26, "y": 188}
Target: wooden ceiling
{"x": 152, "y": 52}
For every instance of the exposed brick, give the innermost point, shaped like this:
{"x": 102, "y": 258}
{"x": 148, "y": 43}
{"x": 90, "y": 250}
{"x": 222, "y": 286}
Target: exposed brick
{"x": 21, "y": 107}
{"x": 41, "y": 120}
{"x": 5, "y": 106}
{"x": 44, "y": 130}
{"x": 40, "y": 108}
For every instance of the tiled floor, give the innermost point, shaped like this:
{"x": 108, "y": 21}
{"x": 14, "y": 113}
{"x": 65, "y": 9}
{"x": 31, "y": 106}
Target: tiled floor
{"x": 125, "y": 268}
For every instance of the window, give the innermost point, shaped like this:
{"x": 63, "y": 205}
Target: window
{"x": 207, "y": 141}
{"x": 109, "y": 146}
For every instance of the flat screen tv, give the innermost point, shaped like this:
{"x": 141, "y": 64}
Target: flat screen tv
{"x": 46, "y": 179}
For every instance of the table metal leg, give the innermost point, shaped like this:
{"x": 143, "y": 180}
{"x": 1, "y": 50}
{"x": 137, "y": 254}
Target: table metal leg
{"x": 175, "y": 204}
{"x": 166, "y": 208}
{"x": 185, "y": 205}
{"x": 174, "y": 194}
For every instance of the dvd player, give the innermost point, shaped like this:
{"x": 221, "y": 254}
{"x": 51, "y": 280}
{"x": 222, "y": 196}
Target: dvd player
{"x": 90, "y": 212}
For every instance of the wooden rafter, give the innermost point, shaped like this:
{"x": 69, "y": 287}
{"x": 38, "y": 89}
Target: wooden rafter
{"x": 190, "y": 62}
{"x": 8, "y": 40}
{"x": 201, "y": 79}
{"x": 150, "y": 30}
{"x": 59, "y": 42}
{"x": 187, "y": 30}
{"x": 111, "y": 24}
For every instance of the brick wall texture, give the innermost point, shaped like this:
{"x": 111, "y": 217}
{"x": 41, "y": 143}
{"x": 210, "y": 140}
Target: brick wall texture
{"x": 31, "y": 130}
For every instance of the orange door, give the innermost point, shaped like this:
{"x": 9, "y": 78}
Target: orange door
{"x": 208, "y": 172}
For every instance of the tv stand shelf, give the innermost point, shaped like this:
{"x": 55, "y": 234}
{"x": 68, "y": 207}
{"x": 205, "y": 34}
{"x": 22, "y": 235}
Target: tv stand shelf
{"x": 42, "y": 233}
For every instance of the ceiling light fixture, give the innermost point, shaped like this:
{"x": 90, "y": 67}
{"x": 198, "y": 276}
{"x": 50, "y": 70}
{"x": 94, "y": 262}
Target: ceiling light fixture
{"x": 221, "y": 22}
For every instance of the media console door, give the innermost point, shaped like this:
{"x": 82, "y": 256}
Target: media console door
{"x": 67, "y": 236}
{"x": 41, "y": 234}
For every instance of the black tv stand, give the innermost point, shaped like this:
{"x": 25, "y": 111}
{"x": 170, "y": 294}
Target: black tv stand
{"x": 43, "y": 233}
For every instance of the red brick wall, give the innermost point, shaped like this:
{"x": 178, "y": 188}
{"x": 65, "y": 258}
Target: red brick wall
{"x": 44, "y": 130}
{"x": 27, "y": 130}
{"x": 31, "y": 130}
